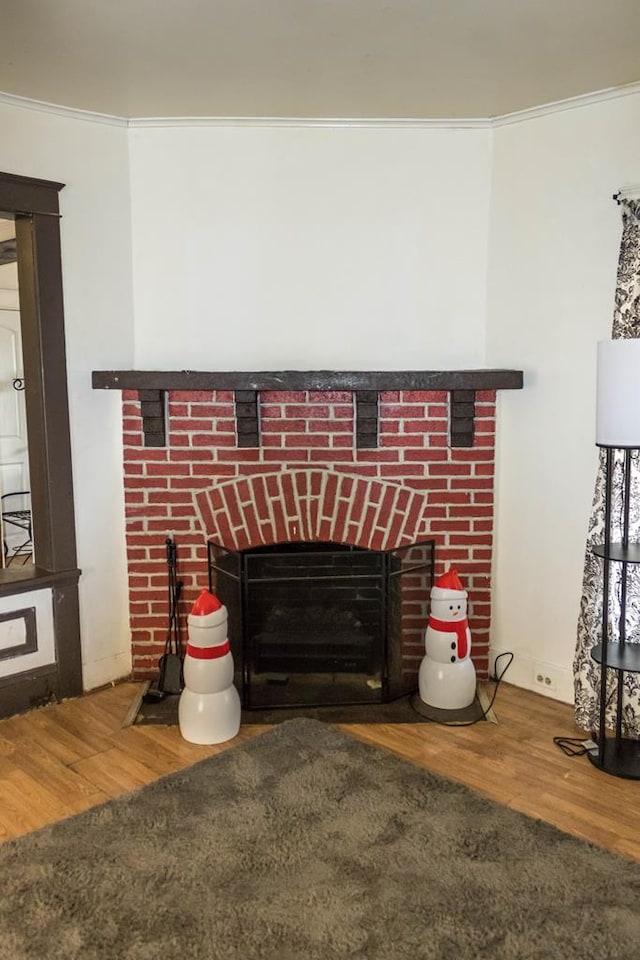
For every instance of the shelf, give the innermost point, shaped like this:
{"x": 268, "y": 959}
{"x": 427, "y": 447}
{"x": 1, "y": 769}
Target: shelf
{"x": 619, "y": 757}
{"x": 629, "y": 554}
{"x": 620, "y": 656}
{"x": 482, "y": 379}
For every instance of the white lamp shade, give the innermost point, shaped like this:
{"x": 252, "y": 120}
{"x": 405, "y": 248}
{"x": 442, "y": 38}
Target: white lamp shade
{"x": 618, "y": 394}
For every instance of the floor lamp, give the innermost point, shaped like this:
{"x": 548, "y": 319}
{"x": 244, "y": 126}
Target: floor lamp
{"x": 618, "y": 433}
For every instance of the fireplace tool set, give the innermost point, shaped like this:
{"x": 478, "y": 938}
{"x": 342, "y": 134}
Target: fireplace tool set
{"x": 170, "y": 679}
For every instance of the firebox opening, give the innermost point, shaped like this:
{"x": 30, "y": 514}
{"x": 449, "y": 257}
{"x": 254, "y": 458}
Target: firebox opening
{"x": 317, "y": 624}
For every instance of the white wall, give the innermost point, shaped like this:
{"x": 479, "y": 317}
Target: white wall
{"x": 554, "y": 241}
{"x": 92, "y": 159}
{"x": 310, "y": 247}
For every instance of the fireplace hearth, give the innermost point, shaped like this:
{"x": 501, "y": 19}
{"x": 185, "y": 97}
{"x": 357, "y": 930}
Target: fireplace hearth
{"x": 320, "y": 624}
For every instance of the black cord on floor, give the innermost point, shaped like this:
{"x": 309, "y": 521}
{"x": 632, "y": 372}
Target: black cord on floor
{"x": 572, "y": 746}
{"x": 578, "y": 746}
{"x": 485, "y": 713}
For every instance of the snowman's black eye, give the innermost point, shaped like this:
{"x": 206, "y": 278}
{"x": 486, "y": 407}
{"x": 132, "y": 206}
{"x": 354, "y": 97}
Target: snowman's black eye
{"x": 450, "y": 606}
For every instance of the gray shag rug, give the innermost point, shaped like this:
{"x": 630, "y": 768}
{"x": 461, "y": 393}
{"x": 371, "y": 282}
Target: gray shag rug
{"x": 306, "y": 844}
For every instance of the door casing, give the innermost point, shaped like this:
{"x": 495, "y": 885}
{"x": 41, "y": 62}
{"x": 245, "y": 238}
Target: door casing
{"x": 34, "y": 205}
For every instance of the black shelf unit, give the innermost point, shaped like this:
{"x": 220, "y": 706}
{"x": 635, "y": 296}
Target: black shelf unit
{"x": 616, "y": 754}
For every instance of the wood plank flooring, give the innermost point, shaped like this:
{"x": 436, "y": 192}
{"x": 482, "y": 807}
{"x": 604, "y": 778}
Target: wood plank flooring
{"x": 64, "y": 758}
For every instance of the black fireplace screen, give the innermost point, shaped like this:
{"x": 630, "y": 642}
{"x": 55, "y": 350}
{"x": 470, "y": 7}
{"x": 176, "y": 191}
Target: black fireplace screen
{"x": 314, "y": 624}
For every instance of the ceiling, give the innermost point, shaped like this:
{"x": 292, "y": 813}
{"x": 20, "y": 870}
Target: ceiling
{"x": 316, "y": 58}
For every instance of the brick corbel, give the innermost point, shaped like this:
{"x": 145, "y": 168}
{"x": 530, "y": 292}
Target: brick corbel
{"x": 247, "y": 418}
{"x": 461, "y": 418}
{"x": 153, "y": 411}
{"x": 366, "y": 419}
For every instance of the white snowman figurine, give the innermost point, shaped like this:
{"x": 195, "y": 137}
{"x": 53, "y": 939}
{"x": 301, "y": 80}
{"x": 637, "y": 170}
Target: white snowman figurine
{"x": 447, "y": 677}
{"x": 209, "y": 705}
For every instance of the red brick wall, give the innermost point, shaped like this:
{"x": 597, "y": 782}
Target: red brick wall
{"x": 305, "y": 481}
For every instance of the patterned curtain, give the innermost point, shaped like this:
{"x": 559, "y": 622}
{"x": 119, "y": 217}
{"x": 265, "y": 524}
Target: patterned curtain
{"x": 626, "y": 325}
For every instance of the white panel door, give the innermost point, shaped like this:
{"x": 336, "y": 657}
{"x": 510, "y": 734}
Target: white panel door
{"x": 14, "y": 458}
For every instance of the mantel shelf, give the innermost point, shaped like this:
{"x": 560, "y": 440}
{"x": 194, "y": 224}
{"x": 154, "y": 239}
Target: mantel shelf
{"x": 307, "y": 380}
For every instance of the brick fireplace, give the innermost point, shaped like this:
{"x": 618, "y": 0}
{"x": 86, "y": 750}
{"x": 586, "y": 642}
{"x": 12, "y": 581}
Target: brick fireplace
{"x": 259, "y": 459}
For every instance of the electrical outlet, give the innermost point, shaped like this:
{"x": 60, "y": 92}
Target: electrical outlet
{"x": 545, "y": 676}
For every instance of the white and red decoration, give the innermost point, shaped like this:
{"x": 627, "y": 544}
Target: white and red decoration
{"x": 209, "y": 706}
{"x": 447, "y": 677}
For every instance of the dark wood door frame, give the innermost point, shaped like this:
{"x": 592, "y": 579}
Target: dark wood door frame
{"x": 34, "y": 206}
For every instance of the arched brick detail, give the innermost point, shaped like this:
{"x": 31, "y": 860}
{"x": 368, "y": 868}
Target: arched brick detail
{"x": 310, "y": 505}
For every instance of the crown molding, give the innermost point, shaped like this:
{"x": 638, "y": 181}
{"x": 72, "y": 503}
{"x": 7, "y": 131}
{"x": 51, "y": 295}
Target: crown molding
{"x": 571, "y": 103}
{"x": 41, "y": 106}
{"x": 449, "y": 123}
{"x": 377, "y": 122}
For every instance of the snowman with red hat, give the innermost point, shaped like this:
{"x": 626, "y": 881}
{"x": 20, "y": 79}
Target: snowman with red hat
{"x": 447, "y": 677}
{"x": 209, "y": 705}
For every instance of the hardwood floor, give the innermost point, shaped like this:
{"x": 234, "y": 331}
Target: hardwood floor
{"x": 64, "y": 758}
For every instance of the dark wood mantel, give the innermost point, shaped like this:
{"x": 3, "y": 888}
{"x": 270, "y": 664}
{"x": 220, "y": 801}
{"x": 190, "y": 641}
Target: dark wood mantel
{"x": 308, "y": 380}
{"x": 365, "y": 385}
